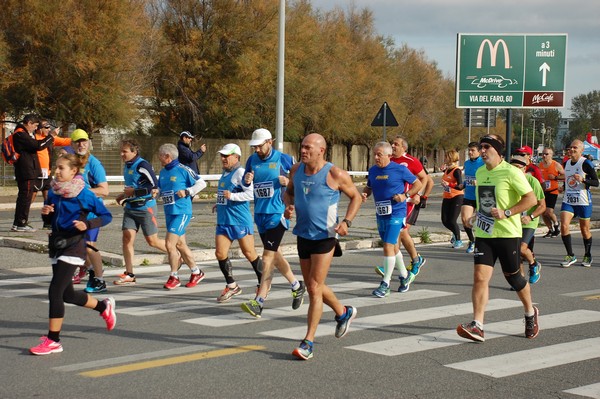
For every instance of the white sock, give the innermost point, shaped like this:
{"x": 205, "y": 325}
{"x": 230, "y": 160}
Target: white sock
{"x": 400, "y": 265}
{"x": 295, "y": 285}
{"x": 388, "y": 268}
{"x": 196, "y": 270}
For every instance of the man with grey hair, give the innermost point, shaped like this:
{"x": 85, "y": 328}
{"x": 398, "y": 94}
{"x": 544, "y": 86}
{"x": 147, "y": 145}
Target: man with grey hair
{"x": 178, "y": 184}
{"x": 577, "y": 202}
{"x": 414, "y": 203}
{"x": 388, "y": 182}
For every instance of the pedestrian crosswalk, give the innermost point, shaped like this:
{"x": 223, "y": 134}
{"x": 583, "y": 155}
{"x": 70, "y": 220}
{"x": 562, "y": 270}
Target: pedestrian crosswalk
{"x": 149, "y": 299}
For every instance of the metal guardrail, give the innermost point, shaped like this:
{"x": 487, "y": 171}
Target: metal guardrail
{"x": 120, "y": 179}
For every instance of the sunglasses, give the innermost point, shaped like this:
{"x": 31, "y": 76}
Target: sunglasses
{"x": 545, "y": 153}
{"x": 46, "y": 127}
{"x": 485, "y": 146}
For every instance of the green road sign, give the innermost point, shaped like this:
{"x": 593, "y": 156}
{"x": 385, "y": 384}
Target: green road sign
{"x": 510, "y": 70}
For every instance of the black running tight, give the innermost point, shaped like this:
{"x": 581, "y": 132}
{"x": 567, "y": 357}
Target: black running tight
{"x": 61, "y": 290}
{"x": 450, "y": 211}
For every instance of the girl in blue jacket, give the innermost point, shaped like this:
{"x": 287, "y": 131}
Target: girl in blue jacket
{"x": 66, "y": 209}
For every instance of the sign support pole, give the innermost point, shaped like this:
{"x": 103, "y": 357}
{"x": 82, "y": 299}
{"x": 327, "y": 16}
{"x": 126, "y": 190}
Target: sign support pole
{"x": 508, "y": 133}
{"x": 384, "y": 120}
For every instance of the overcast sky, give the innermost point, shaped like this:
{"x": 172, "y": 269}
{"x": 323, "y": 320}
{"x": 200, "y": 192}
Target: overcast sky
{"x": 432, "y": 25}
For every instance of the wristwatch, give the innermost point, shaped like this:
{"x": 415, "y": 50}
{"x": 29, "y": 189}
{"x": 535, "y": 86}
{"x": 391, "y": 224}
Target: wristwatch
{"x": 532, "y": 217}
{"x": 348, "y": 223}
{"x": 507, "y": 213}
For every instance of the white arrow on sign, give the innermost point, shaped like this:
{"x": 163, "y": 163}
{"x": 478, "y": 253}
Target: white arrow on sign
{"x": 544, "y": 68}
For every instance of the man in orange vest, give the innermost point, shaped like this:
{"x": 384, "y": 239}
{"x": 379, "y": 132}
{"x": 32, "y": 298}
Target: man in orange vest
{"x": 45, "y": 157}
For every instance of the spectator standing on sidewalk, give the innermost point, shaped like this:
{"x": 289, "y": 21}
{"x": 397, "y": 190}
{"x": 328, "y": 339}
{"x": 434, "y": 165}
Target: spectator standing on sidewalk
{"x": 66, "y": 209}
{"x": 498, "y": 236}
{"x": 313, "y": 193}
{"x": 234, "y": 220}
{"x": 27, "y": 169}
{"x": 45, "y": 157}
{"x": 187, "y": 156}
{"x": 139, "y": 190}
{"x": 178, "y": 184}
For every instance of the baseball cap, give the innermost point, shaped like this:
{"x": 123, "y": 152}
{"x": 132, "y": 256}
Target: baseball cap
{"x": 229, "y": 149}
{"x": 259, "y": 136}
{"x": 79, "y": 134}
{"x": 519, "y": 160}
{"x": 524, "y": 150}
{"x": 186, "y": 134}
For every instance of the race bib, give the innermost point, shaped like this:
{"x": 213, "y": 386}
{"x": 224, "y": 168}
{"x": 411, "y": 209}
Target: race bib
{"x": 572, "y": 198}
{"x": 383, "y": 208}
{"x": 221, "y": 200}
{"x": 546, "y": 185}
{"x": 264, "y": 190}
{"x": 44, "y": 173}
{"x": 469, "y": 181}
{"x": 447, "y": 189}
{"x": 485, "y": 223}
{"x": 168, "y": 197}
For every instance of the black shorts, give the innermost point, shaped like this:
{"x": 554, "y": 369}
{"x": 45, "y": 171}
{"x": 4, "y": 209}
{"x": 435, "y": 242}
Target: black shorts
{"x": 271, "y": 238}
{"x": 469, "y": 202}
{"x": 411, "y": 218}
{"x": 508, "y": 250}
{"x": 306, "y": 248}
{"x": 551, "y": 200}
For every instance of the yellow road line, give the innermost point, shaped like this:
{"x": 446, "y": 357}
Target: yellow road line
{"x": 169, "y": 361}
{"x": 589, "y": 298}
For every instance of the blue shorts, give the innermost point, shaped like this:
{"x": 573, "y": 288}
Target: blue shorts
{"x": 269, "y": 221}
{"x": 580, "y": 211}
{"x": 176, "y": 224}
{"x": 234, "y": 232}
{"x": 389, "y": 229}
{"x": 92, "y": 235}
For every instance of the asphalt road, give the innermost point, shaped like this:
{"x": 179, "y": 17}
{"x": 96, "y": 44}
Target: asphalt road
{"x": 184, "y": 344}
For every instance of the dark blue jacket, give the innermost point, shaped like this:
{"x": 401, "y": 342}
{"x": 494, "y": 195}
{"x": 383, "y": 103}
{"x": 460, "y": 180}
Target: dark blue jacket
{"x": 188, "y": 157}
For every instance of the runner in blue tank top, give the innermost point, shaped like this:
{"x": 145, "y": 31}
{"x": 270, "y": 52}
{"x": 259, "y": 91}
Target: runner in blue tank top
{"x": 137, "y": 197}
{"x": 313, "y": 192}
{"x": 178, "y": 184}
{"x": 267, "y": 169}
{"x": 234, "y": 220}
{"x": 387, "y": 182}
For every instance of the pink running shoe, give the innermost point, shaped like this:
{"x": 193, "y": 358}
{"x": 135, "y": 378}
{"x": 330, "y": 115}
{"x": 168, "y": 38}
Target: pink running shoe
{"x": 109, "y": 315}
{"x": 195, "y": 279}
{"x": 80, "y": 274}
{"x": 46, "y": 347}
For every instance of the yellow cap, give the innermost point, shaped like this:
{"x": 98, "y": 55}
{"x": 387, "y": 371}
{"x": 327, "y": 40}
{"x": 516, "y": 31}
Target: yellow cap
{"x": 79, "y": 134}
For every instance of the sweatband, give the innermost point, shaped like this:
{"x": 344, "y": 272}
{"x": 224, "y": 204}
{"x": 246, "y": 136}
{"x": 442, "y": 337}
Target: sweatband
{"x": 493, "y": 142}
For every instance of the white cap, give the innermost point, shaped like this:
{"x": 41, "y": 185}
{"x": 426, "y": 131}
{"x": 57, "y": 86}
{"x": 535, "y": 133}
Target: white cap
{"x": 229, "y": 149}
{"x": 259, "y": 136}
{"x": 186, "y": 134}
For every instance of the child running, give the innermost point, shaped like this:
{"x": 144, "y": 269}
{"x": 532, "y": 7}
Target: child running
{"x": 66, "y": 209}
